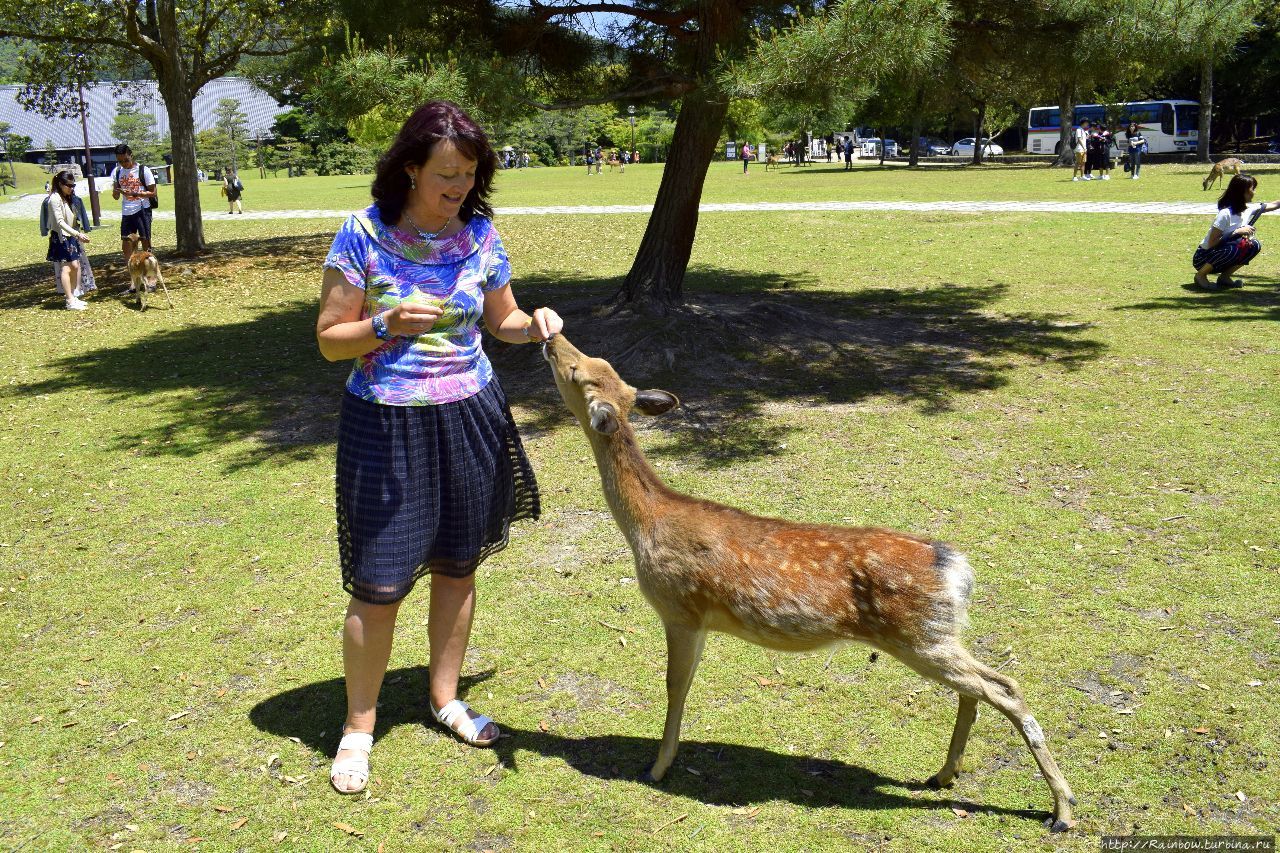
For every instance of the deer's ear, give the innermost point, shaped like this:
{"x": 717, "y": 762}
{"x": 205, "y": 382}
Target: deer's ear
{"x": 604, "y": 418}
{"x": 656, "y": 402}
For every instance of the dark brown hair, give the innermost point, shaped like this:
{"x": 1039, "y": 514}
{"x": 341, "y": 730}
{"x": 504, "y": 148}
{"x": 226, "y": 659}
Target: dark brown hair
{"x": 429, "y": 124}
{"x": 1233, "y": 196}
{"x": 66, "y": 179}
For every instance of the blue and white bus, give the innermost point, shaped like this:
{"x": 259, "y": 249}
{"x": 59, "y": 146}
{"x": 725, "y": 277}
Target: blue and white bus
{"x": 1168, "y": 126}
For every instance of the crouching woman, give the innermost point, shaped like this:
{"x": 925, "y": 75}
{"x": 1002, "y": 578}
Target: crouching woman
{"x": 1230, "y": 243}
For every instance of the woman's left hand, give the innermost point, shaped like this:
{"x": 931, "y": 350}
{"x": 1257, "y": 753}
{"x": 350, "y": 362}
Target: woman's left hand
{"x": 546, "y": 322}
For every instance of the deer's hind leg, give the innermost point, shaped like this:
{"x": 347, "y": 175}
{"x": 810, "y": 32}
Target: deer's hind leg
{"x": 952, "y": 665}
{"x": 965, "y": 715}
{"x": 684, "y": 650}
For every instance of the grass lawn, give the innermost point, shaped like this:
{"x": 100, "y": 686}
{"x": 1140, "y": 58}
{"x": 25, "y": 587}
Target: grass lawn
{"x": 1041, "y": 391}
{"x": 819, "y": 182}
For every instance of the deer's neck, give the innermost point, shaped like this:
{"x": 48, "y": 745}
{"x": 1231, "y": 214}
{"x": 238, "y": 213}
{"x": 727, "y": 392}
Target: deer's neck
{"x": 634, "y": 491}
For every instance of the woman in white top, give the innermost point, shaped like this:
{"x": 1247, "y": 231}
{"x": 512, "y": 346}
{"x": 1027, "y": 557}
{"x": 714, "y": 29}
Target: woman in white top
{"x": 1230, "y": 243}
{"x": 65, "y": 238}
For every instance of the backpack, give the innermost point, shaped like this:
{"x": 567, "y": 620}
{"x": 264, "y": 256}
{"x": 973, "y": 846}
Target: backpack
{"x": 142, "y": 172}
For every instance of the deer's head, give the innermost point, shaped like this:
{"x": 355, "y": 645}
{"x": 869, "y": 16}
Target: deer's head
{"x": 594, "y": 392}
{"x": 135, "y": 238}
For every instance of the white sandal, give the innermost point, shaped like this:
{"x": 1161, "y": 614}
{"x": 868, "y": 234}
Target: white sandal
{"x": 454, "y": 717}
{"x": 356, "y": 766}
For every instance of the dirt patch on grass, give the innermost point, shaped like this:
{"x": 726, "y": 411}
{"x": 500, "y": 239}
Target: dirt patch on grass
{"x": 191, "y": 793}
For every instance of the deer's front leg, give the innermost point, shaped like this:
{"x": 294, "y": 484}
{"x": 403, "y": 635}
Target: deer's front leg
{"x": 684, "y": 650}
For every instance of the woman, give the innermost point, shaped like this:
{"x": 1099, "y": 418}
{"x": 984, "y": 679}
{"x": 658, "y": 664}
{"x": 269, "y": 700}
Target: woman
{"x": 1229, "y": 244}
{"x": 1099, "y": 154}
{"x": 65, "y": 238}
{"x": 1136, "y": 144}
{"x": 233, "y": 189}
{"x": 746, "y": 156}
{"x": 431, "y": 472}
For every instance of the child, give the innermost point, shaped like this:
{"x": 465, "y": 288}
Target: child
{"x": 1230, "y": 243}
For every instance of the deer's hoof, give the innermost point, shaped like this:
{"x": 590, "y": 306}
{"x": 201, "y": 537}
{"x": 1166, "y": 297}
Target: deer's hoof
{"x": 1060, "y": 825}
{"x": 1072, "y": 799}
{"x": 936, "y": 783}
{"x": 647, "y": 778}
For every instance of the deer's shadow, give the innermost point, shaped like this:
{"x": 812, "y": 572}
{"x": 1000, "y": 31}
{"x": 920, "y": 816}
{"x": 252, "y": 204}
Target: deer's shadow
{"x": 710, "y": 772}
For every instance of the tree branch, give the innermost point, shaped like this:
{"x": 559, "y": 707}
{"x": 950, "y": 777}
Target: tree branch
{"x": 63, "y": 38}
{"x": 671, "y": 87}
{"x": 670, "y": 20}
{"x": 138, "y": 39}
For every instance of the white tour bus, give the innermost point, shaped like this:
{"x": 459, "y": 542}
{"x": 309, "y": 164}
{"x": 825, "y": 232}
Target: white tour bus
{"x": 1168, "y": 126}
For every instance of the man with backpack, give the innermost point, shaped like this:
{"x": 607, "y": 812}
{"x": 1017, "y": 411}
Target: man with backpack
{"x": 136, "y": 185}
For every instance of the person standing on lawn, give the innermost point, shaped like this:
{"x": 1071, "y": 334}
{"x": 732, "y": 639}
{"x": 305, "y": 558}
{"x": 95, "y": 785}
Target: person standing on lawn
{"x": 233, "y": 189}
{"x": 430, "y": 468}
{"x": 1135, "y": 143}
{"x": 65, "y": 238}
{"x": 136, "y": 185}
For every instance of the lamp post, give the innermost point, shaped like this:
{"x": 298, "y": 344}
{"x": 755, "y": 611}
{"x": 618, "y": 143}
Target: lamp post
{"x": 94, "y": 204}
{"x": 631, "y": 116}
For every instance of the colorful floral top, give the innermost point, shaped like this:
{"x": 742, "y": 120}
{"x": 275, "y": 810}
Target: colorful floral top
{"x": 447, "y": 363}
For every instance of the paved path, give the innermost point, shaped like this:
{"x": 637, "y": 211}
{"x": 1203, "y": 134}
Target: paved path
{"x": 28, "y": 207}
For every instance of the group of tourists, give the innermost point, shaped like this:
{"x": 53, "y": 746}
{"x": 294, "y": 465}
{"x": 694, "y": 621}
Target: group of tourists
{"x": 1092, "y": 144}
{"x": 66, "y": 223}
{"x": 64, "y": 220}
{"x": 597, "y": 158}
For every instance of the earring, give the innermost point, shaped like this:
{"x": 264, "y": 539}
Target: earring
{"x": 413, "y": 183}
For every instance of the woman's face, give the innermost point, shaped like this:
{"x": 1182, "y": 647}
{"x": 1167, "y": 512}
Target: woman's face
{"x": 1248, "y": 194}
{"x": 64, "y": 190}
{"x": 444, "y": 182}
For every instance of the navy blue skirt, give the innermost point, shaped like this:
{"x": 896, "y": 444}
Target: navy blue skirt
{"x": 427, "y": 489}
{"x": 63, "y": 248}
{"x": 1227, "y": 254}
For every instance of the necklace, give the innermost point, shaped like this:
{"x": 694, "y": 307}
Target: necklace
{"x": 427, "y": 236}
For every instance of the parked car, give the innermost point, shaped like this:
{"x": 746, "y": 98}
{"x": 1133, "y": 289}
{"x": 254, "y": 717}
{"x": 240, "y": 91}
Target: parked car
{"x": 931, "y": 146}
{"x": 964, "y": 148}
{"x": 871, "y": 147}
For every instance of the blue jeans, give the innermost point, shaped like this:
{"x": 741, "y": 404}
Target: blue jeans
{"x": 1135, "y": 160}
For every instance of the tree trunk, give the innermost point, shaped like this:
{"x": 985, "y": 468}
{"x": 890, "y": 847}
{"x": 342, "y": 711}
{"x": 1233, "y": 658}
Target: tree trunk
{"x": 883, "y": 147}
{"x": 977, "y": 142}
{"x": 1206, "y": 109}
{"x": 655, "y": 282}
{"x": 917, "y": 125}
{"x": 656, "y": 279}
{"x": 186, "y": 198}
{"x": 1066, "y": 124}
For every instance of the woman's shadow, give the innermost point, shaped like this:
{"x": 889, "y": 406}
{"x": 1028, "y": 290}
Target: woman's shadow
{"x": 706, "y": 771}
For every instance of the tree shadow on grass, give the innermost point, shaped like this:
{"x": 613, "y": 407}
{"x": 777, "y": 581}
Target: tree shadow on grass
{"x": 744, "y": 341}
{"x": 1258, "y": 300}
{"x": 727, "y": 774}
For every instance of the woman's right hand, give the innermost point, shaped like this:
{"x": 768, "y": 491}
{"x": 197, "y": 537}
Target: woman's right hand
{"x": 412, "y": 317}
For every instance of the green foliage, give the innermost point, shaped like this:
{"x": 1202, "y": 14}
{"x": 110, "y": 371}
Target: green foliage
{"x": 344, "y": 158}
{"x": 10, "y": 61}
{"x": 14, "y": 144}
{"x": 213, "y": 149}
{"x": 50, "y": 153}
{"x": 137, "y": 130}
{"x": 230, "y": 120}
{"x": 285, "y": 154}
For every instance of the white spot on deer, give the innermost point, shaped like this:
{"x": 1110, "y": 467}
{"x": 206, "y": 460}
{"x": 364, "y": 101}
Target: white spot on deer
{"x": 1035, "y": 735}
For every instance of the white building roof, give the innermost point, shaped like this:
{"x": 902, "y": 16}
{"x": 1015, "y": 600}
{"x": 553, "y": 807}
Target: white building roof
{"x": 101, "y": 99}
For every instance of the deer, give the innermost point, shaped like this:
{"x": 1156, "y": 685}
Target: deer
{"x": 784, "y": 585}
{"x": 771, "y": 162}
{"x": 1218, "y": 173}
{"x": 144, "y": 272}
